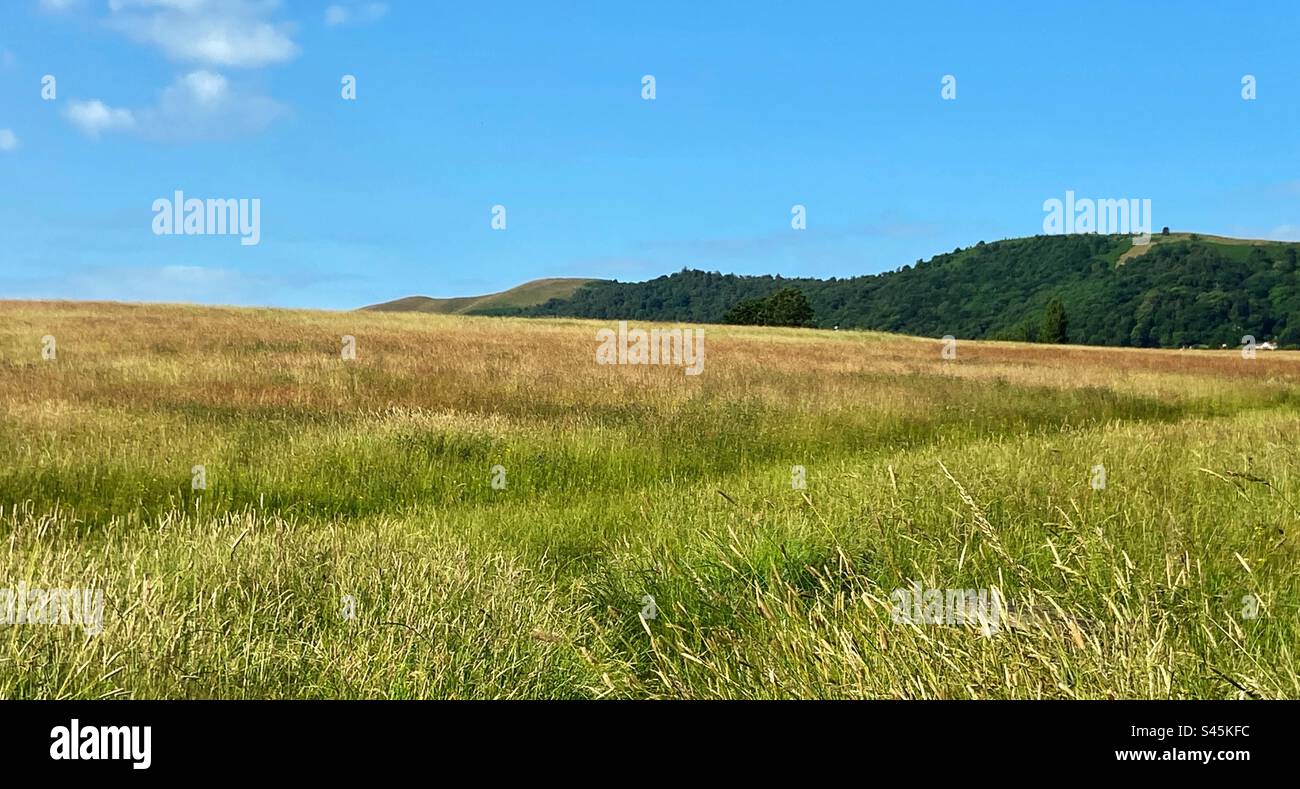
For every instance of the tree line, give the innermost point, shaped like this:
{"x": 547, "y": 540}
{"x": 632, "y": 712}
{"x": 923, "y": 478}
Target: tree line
{"x": 1066, "y": 288}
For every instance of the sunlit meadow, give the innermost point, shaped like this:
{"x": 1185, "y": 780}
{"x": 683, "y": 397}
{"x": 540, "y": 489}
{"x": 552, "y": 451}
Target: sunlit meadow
{"x": 349, "y": 540}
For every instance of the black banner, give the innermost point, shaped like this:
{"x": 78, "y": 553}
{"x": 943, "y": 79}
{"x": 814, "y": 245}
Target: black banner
{"x": 147, "y": 739}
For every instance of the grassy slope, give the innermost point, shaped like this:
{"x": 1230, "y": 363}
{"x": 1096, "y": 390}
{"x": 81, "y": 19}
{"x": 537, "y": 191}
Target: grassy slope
{"x": 1223, "y": 243}
{"x": 372, "y": 478}
{"x": 538, "y": 291}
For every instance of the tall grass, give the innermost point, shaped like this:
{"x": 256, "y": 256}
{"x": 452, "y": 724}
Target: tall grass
{"x": 372, "y": 479}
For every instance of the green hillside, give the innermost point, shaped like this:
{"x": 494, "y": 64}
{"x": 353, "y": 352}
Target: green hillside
{"x": 1179, "y": 290}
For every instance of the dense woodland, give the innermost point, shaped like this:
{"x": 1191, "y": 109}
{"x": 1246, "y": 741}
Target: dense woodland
{"x": 1181, "y": 292}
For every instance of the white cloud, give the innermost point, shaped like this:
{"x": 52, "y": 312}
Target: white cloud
{"x": 355, "y": 13}
{"x": 198, "y": 105}
{"x": 232, "y": 33}
{"x": 58, "y": 5}
{"x": 8, "y": 140}
{"x": 202, "y": 104}
{"x": 95, "y": 117}
{"x": 202, "y": 88}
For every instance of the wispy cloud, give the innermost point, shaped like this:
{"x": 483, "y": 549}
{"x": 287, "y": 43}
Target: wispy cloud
{"x": 226, "y": 33}
{"x": 198, "y": 105}
{"x": 202, "y": 103}
{"x": 354, "y": 13}
{"x": 8, "y": 140}
{"x": 58, "y": 6}
{"x": 168, "y": 283}
{"x": 94, "y": 117}
{"x": 1285, "y": 233}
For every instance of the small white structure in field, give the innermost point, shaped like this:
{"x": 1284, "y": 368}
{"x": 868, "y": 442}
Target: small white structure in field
{"x": 1267, "y": 346}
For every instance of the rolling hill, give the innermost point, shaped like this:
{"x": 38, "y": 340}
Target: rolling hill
{"x": 1181, "y": 290}
{"x": 538, "y": 291}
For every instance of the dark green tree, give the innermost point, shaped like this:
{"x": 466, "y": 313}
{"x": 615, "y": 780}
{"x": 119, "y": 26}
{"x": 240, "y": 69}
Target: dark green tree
{"x": 748, "y": 312}
{"x": 1056, "y": 328}
{"x": 786, "y": 307}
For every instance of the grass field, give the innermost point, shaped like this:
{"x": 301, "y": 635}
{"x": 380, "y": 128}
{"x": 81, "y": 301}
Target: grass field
{"x": 373, "y": 478}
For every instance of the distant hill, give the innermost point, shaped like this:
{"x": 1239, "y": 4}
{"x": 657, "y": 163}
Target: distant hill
{"x": 529, "y": 294}
{"x": 1180, "y": 290}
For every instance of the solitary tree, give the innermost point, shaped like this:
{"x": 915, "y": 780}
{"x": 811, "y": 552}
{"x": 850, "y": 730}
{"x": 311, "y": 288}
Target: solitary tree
{"x": 1055, "y": 325}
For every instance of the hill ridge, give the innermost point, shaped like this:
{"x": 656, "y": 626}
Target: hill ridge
{"x": 1180, "y": 290}
{"x": 526, "y": 294}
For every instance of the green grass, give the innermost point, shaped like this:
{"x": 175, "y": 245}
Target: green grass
{"x": 372, "y": 479}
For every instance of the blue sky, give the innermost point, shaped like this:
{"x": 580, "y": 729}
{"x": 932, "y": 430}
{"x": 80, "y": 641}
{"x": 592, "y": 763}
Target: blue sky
{"x": 538, "y": 107}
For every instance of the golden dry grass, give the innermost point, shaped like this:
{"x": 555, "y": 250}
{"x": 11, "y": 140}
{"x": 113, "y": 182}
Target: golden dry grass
{"x": 372, "y": 478}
